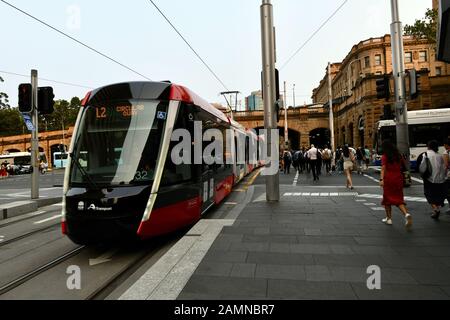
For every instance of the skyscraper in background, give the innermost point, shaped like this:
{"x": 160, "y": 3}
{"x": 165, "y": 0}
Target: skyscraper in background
{"x": 254, "y": 102}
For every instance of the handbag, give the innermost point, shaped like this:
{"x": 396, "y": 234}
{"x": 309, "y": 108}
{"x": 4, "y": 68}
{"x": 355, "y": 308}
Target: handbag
{"x": 426, "y": 170}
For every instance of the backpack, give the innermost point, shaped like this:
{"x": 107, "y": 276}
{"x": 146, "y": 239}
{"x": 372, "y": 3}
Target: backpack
{"x": 326, "y": 155}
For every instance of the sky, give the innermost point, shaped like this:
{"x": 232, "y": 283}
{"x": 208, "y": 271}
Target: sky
{"x": 226, "y": 34}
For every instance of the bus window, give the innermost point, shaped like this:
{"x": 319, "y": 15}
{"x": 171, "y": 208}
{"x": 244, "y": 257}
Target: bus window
{"x": 421, "y": 134}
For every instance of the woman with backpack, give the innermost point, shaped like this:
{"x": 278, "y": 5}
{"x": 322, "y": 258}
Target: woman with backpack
{"x": 392, "y": 182}
{"x": 433, "y": 169}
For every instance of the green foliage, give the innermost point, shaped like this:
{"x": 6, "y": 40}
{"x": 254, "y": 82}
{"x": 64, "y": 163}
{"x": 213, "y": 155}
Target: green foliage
{"x": 11, "y": 122}
{"x": 425, "y": 28}
{"x": 65, "y": 115}
{"x": 4, "y": 102}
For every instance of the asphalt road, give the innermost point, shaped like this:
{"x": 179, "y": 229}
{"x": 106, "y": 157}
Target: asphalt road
{"x": 30, "y": 242}
{"x": 17, "y": 188}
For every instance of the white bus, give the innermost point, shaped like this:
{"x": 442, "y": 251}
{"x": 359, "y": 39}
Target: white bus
{"x": 60, "y": 159}
{"x": 424, "y": 126}
{"x": 20, "y": 162}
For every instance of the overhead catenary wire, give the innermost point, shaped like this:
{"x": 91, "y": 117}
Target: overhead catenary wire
{"x": 48, "y": 80}
{"x": 314, "y": 34}
{"x": 76, "y": 40}
{"x": 189, "y": 45}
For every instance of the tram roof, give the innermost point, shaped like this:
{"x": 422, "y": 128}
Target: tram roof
{"x": 151, "y": 91}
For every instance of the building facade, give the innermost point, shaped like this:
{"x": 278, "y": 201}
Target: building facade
{"x": 255, "y": 102}
{"x": 356, "y": 107}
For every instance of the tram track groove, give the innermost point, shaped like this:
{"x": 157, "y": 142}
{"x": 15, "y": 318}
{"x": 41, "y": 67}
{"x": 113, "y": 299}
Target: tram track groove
{"x": 32, "y": 274}
{"x": 28, "y": 234}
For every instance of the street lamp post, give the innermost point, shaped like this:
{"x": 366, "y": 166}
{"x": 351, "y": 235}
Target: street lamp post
{"x": 293, "y": 94}
{"x": 286, "y": 127}
{"x": 350, "y": 91}
{"x": 330, "y": 94}
{"x": 398, "y": 65}
{"x": 269, "y": 89}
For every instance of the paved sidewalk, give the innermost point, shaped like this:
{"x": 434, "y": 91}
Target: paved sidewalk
{"x": 319, "y": 246}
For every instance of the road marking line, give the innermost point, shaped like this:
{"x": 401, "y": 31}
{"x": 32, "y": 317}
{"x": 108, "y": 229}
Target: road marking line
{"x": 378, "y": 209}
{"x": 417, "y": 180}
{"x": 370, "y": 204}
{"x": 48, "y": 219}
{"x": 372, "y": 178}
{"x": 57, "y": 205}
{"x": 231, "y": 203}
{"x": 296, "y": 179}
{"x": 377, "y": 196}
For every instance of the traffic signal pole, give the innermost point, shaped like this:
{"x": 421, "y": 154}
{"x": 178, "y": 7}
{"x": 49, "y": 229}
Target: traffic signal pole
{"x": 398, "y": 64}
{"x": 34, "y": 137}
{"x": 269, "y": 89}
{"x": 330, "y": 94}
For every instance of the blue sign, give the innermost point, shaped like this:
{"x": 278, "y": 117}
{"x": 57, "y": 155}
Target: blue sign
{"x": 161, "y": 115}
{"x": 28, "y": 122}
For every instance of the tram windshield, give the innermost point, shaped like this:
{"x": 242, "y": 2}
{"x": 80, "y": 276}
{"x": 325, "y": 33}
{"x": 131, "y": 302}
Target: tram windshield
{"x": 117, "y": 143}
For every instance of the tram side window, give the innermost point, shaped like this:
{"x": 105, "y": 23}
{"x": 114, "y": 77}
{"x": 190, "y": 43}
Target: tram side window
{"x": 211, "y": 122}
{"x": 175, "y": 174}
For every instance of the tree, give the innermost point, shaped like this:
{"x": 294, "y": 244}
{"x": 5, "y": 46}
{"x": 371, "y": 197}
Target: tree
{"x": 65, "y": 115}
{"x": 11, "y": 122}
{"x": 425, "y": 28}
{"x": 4, "y": 102}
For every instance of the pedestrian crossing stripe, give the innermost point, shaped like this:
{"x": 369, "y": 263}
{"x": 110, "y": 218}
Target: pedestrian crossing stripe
{"x": 378, "y": 196}
{"x": 317, "y": 195}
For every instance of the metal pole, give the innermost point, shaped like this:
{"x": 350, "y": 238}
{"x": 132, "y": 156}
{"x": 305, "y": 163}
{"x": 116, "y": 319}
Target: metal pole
{"x": 286, "y": 127}
{"x": 34, "y": 137}
{"x": 330, "y": 94}
{"x": 398, "y": 65}
{"x": 269, "y": 87}
{"x": 293, "y": 94}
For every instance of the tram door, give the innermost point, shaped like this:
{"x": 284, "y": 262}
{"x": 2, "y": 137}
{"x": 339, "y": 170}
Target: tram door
{"x": 208, "y": 189}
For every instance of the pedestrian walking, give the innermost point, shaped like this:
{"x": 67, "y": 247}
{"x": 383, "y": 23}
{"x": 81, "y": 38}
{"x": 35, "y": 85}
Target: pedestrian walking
{"x": 326, "y": 156}
{"x": 302, "y": 160}
{"x": 447, "y": 158}
{"x": 340, "y": 162}
{"x": 433, "y": 169}
{"x": 295, "y": 161}
{"x": 367, "y": 157}
{"x": 392, "y": 182}
{"x": 348, "y": 158}
{"x": 313, "y": 155}
{"x": 359, "y": 161}
{"x": 287, "y": 162}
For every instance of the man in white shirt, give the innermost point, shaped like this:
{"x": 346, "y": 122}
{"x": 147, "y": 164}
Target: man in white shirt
{"x": 313, "y": 155}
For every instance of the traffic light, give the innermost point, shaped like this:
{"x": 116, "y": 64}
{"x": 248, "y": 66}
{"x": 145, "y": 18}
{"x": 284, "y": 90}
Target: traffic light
{"x": 45, "y": 100}
{"x": 383, "y": 88}
{"x": 414, "y": 83}
{"x": 25, "y": 98}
